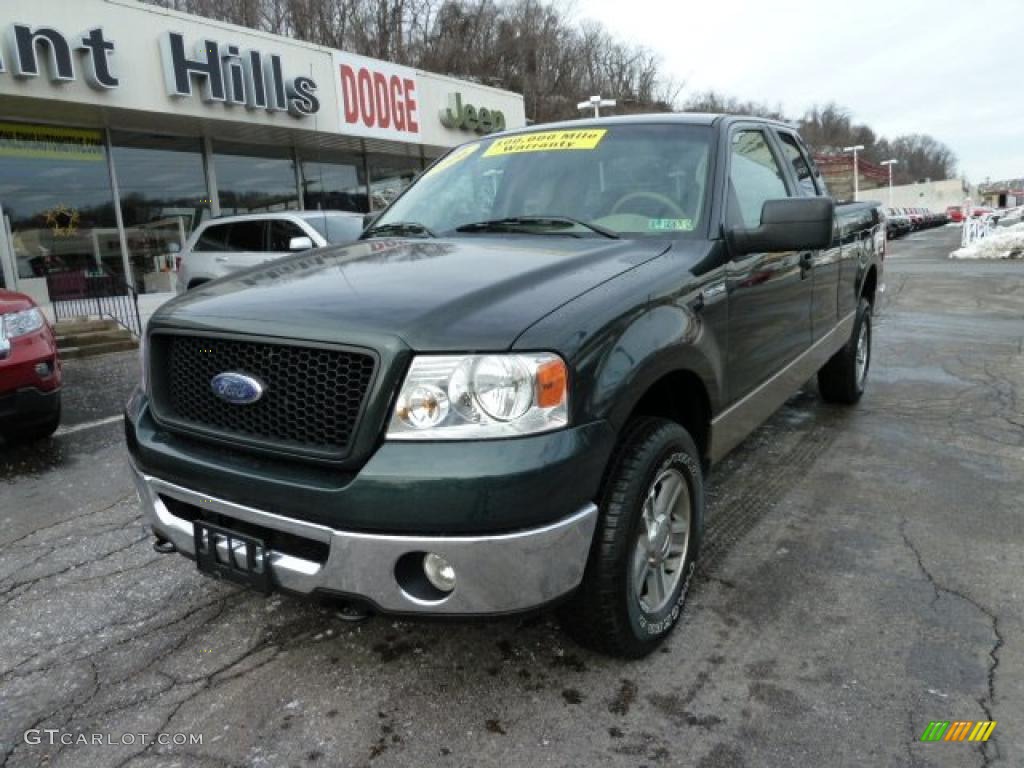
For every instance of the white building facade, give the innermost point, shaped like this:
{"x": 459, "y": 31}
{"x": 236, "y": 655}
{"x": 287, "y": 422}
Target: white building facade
{"x": 122, "y": 126}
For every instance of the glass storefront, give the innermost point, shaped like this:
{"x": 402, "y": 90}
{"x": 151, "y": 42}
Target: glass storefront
{"x": 389, "y": 175}
{"x": 253, "y": 179}
{"x": 57, "y": 203}
{"x": 333, "y": 182}
{"x": 162, "y": 186}
{"x": 58, "y": 209}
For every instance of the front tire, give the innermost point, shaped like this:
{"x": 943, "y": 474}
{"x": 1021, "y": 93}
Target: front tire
{"x": 39, "y": 430}
{"x": 646, "y": 544}
{"x": 843, "y": 378}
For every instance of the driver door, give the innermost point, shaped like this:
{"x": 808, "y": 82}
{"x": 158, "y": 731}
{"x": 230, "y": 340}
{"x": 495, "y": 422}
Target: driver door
{"x": 769, "y": 293}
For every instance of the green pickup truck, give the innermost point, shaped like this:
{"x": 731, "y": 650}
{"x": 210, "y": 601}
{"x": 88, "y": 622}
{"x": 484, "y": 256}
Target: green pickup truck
{"x": 508, "y": 393}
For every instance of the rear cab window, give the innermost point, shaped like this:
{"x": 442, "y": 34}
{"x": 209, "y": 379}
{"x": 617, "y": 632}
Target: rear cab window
{"x": 801, "y": 164}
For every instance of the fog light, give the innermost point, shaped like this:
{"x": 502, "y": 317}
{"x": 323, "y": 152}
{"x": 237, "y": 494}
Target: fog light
{"x": 43, "y": 370}
{"x": 439, "y": 572}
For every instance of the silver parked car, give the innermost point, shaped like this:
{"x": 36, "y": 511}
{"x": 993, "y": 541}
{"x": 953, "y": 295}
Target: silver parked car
{"x": 229, "y": 243}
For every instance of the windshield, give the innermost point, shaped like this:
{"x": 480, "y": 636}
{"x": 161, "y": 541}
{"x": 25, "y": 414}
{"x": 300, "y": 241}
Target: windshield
{"x": 629, "y": 180}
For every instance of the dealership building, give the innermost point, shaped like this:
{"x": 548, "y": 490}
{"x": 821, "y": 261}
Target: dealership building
{"x": 123, "y": 125}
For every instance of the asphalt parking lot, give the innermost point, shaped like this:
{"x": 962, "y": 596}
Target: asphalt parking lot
{"x": 861, "y": 577}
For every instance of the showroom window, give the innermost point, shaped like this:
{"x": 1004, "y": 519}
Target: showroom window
{"x": 252, "y": 179}
{"x": 162, "y": 185}
{"x": 57, "y": 199}
{"x": 389, "y": 175}
{"x": 333, "y": 182}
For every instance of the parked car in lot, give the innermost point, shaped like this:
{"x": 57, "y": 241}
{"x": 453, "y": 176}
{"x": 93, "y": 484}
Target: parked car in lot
{"x": 509, "y": 393}
{"x": 905, "y": 220}
{"x": 897, "y": 223}
{"x": 227, "y": 244}
{"x": 30, "y": 370}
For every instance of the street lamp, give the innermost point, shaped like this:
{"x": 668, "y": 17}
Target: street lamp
{"x": 891, "y": 162}
{"x": 855, "y": 150}
{"x": 595, "y": 103}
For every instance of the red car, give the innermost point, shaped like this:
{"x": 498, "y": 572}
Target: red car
{"x": 955, "y": 213}
{"x": 30, "y": 370}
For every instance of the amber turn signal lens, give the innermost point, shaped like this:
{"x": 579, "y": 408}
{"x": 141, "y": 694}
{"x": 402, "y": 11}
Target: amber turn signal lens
{"x": 552, "y": 381}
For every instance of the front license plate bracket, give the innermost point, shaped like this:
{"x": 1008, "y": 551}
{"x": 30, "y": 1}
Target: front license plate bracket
{"x": 232, "y": 556}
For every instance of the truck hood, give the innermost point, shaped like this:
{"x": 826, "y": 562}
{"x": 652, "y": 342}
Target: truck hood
{"x": 469, "y": 293}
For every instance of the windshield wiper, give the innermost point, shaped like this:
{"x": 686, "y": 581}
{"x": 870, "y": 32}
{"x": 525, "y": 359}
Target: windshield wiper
{"x": 399, "y": 228}
{"x": 503, "y": 225}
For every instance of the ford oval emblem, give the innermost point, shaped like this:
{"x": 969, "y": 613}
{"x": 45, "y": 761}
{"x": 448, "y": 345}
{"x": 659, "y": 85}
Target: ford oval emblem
{"x": 236, "y": 388}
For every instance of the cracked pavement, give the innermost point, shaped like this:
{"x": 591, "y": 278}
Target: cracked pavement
{"x": 861, "y": 577}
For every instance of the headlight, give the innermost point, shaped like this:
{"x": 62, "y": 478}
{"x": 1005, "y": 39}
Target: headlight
{"x": 19, "y": 323}
{"x": 472, "y": 397}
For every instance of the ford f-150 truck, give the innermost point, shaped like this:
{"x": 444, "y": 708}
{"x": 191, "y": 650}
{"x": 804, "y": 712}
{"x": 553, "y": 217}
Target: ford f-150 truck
{"x": 509, "y": 392}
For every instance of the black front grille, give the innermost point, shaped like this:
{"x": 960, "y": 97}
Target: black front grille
{"x": 312, "y": 399}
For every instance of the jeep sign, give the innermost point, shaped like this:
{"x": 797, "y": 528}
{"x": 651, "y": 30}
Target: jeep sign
{"x": 467, "y": 117}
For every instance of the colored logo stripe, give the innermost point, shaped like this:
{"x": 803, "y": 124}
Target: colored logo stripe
{"x": 982, "y": 730}
{"x": 958, "y": 730}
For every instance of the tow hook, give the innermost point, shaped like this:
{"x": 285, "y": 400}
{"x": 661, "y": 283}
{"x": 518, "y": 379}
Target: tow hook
{"x": 163, "y": 546}
{"x": 352, "y": 613}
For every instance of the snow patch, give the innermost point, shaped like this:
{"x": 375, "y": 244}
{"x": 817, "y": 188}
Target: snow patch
{"x": 1005, "y": 243}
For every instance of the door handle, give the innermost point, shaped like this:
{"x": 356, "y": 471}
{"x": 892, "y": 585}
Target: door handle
{"x": 220, "y": 258}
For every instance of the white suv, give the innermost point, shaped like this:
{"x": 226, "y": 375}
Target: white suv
{"x": 230, "y": 243}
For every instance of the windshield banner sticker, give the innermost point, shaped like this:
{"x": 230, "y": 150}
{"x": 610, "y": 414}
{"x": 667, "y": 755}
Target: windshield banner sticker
{"x": 455, "y": 157}
{"x": 670, "y": 225}
{"x": 548, "y": 141}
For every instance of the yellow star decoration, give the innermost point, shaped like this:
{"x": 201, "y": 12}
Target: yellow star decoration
{"x": 63, "y": 220}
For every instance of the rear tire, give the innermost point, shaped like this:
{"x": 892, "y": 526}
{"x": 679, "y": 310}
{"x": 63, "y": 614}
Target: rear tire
{"x": 646, "y": 544}
{"x": 843, "y": 378}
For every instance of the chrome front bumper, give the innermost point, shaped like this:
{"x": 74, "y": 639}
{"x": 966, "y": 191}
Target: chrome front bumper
{"x": 496, "y": 574}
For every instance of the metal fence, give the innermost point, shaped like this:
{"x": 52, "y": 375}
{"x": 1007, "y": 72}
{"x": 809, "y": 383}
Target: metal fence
{"x": 977, "y": 228}
{"x": 77, "y": 294}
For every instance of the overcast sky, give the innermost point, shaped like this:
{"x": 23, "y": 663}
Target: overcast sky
{"x": 900, "y": 66}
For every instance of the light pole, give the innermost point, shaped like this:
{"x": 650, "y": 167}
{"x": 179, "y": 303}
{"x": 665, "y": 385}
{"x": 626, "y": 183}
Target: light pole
{"x": 890, "y": 163}
{"x": 595, "y": 103}
{"x": 855, "y": 150}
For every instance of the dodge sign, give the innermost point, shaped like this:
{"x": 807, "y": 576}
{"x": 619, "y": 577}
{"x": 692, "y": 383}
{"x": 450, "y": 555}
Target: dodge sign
{"x": 377, "y": 99}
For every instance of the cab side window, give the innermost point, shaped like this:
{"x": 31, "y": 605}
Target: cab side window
{"x": 247, "y": 236}
{"x": 281, "y": 234}
{"x": 754, "y": 177}
{"x": 213, "y": 238}
{"x": 806, "y": 185}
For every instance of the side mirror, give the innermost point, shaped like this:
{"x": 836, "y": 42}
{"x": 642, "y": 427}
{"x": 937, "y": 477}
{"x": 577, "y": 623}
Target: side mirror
{"x": 300, "y": 244}
{"x": 174, "y": 247}
{"x": 789, "y": 224}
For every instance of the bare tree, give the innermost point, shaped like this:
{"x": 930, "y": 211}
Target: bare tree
{"x": 718, "y": 103}
{"x": 532, "y": 47}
